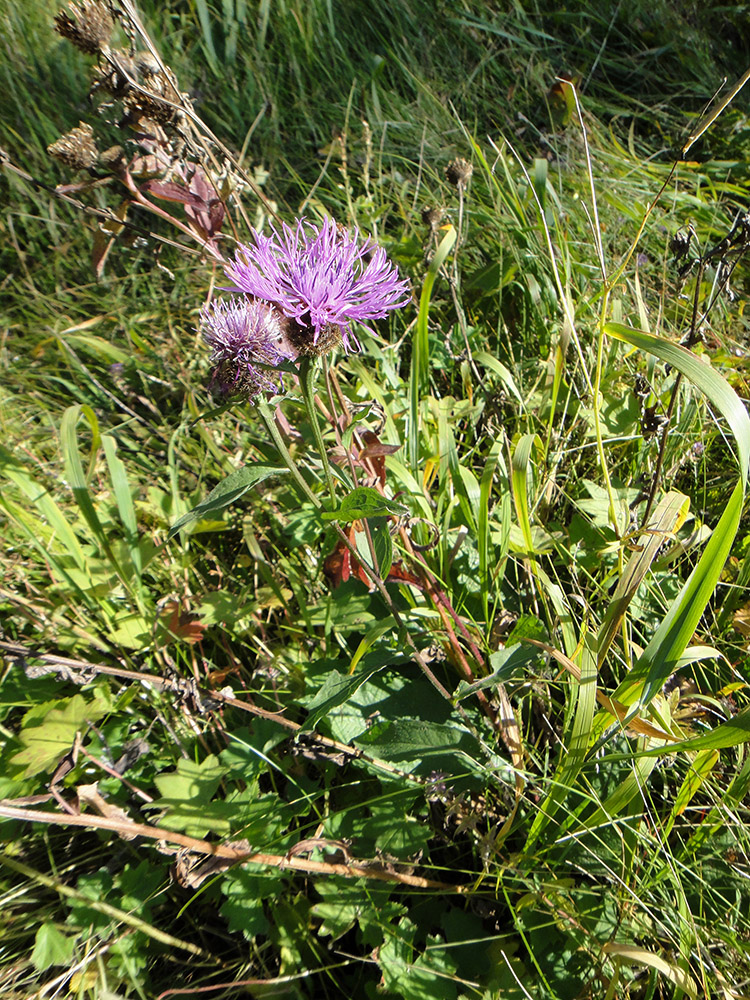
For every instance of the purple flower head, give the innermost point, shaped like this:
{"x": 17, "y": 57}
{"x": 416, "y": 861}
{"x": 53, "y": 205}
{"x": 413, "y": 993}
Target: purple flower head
{"x": 245, "y": 335}
{"x": 321, "y": 277}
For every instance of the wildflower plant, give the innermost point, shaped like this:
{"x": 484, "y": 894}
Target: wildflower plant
{"x": 333, "y": 720}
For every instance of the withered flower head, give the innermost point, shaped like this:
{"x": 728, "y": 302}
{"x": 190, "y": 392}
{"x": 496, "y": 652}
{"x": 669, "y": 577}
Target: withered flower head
{"x": 458, "y": 172}
{"x": 158, "y": 88}
{"x": 76, "y": 149}
{"x": 432, "y": 216}
{"x": 115, "y": 76}
{"x": 90, "y": 27}
{"x": 113, "y": 158}
{"x": 146, "y": 64}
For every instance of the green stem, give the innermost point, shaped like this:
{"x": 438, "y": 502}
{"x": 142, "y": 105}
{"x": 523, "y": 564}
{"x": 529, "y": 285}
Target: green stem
{"x": 266, "y": 415}
{"x": 307, "y": 384}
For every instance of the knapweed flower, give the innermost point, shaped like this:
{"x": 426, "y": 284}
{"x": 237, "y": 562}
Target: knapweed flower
{"x": 247, "y": 338}
{"x": 322, "y": 278}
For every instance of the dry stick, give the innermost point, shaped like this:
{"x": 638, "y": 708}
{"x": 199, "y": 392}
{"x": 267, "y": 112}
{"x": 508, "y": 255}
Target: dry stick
{"x": 77, "y": 670}
{"x": 277, "y": 980}
{"x": 95, "y": 904}
{"x": 355, "y": 869}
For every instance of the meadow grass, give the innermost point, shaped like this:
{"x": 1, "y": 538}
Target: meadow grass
{"x": 442, "y": 692}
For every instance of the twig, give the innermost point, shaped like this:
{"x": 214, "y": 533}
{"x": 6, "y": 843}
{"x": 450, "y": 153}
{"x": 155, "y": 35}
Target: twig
{"x": 354, "y": 869}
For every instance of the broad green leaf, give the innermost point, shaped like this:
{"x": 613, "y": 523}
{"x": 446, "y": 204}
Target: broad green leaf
{"x": 48, "y": 731}
{"x": 227, "y": 492}
{"x": 191, "y": 782}
{"x": 412, "y": 740}
{"x": 362, "y": 502}
{"x": 505, "y": 663}
{"x": 336, "y": 690}
{"x": 51, "y": 947}
{"x": 415, "y": 976}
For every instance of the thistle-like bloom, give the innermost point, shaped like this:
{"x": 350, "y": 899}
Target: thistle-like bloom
{"x": 247, "y": 338}
{"x": 323, "y": 278}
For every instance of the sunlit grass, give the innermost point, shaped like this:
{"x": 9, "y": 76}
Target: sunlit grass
{"x": 564, "y": 859}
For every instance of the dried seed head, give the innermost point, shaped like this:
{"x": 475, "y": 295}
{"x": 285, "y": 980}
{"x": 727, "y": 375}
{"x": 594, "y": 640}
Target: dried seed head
{"x": 141, "y": 103}
{"x": 114, "y": 77}
{"x": 146, "y": 64}
{"x": 141, "y": 108}
{"x": 113, "y": 158}
{"x": 432, "y": 217}
{"x": 76, "y": 149}
{"x": 90, "y": 27}
{"x": 458, "y": 172}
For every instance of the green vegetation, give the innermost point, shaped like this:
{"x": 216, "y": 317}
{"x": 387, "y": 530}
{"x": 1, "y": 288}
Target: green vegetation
{"x": 476, "y": 725}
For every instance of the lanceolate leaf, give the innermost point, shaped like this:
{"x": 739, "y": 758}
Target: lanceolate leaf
{"x": 228, "y": 490}
{"x": 420, "y": 359}
{"x": 662, "y": 654}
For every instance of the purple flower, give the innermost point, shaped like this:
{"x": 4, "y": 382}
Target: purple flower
{"x": 246, "y": 336}
{"x": 321, "y": 277}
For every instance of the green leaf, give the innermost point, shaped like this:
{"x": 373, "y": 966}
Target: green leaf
{"x": 520, "y": 465}
{"x": 362, "y": 502}
{"x": 48, "y": 731}
{"x": 703, "y": 376}
{"x": 247, "y": 889}
{"x": 668, "y": 643}
{"x": 505, "y": 663}
{"x": 124, "y": 503}
{"x": 191, "y": 783}
{"x": 51, "y": 947}
{"x": 420, "y": 355}
{"x": 412, "y": 740}
{"x": 227, "y": 492}
{"x": 336, "y": 690}
{"x": 415, "y": 976}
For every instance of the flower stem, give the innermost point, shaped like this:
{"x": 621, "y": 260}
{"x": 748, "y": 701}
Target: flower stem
{"x": 307, "y": 384}
{"x": 266, "y": 415}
